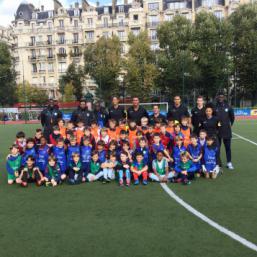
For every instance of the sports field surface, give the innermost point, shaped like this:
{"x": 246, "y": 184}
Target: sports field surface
{"x": 97, "y": 220}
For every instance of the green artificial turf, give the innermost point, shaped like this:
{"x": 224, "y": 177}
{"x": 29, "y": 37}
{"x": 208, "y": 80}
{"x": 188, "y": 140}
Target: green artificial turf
{"x": 98, "y": 220}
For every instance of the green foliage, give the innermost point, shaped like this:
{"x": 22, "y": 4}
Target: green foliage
{"x": 68, "y": 95}
{"x": 139, "y": 66}
{"x": 7, "y": 77}
{"x": 27, "y": 93}
{"x": 244, "y": 21}
{"x": 103, "y": 63}
{"x": 75, "y": 76}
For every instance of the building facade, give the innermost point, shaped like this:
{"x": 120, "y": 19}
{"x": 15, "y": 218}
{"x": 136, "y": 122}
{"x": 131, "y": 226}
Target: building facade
{"x": 45, "y": 42}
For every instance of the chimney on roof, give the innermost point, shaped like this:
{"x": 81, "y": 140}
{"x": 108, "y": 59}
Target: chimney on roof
{"x": 42, "y": 8}
{"x": 76, "y": 5}
{"x": 97, "y": 3}
{"x": 113, "y": 6}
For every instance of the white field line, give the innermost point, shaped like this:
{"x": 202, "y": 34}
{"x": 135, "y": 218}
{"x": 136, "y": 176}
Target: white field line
{"x": 212, "y": 223}
{"x": 245, "y": 139}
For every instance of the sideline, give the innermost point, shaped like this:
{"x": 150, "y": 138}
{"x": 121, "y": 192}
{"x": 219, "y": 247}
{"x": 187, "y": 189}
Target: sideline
{"x": 245, "y": 139}
{"x": 212, "y": 223}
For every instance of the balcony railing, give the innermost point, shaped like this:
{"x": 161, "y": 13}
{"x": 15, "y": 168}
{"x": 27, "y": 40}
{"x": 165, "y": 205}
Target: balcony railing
{"x": 75, "y": 54}
{"x": 62, "y": 55}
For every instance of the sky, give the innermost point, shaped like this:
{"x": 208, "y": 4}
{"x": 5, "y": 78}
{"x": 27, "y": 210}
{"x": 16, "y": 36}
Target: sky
{"x": 9, "y": 7}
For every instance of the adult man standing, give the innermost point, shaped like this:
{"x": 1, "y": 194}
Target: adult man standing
{"x": 136, "y": 112}
{"x": 156, "y": 116}
{"x": 82, "y": 114}
{"x": 49, "y": 117}
{"x": 198, "y": 114}
{"x": 177, "y": 110}
{"x": 116, "y": 111}
{"x": 101, "y": 115}
{"x": 225, "y": 115}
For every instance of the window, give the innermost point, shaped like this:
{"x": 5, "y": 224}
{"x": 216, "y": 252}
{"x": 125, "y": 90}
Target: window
{"x": 121, "y": 8}
{"x": 49, "y": 24}
{"x": 209, "y": 3}
{"x": 76, "y": 23}
{"x": 61, "y": 24}
{"x": 153, "y": 34}
{"x": 121, "y": 21}
{"x": 32, "y": 41}
{"x": 61, "y": 39}
{"x": 50, "y": 67}
{"x": 135, "y": 17}
{"x": 90, "y": 34}
{"x": 49, "y": 39}
{"x": 50, "y": 53}
{"x": 219, "y": 14}
{"x": 62, "y": 67}
{"x": 135, "y": 31}
{"x": 105, "y": 22}
{"x": 76, "y": 51}
{"x": 42, "y": 67}
{"x": 168, "y": 17}
{"x": 106, "y": 10}
{"x": 177, "y": 5}
{"x": 50, "y": 14}
{"x": 76, "y": 12}
{"x": 121, "y": 34}
{"x": 106, "y": 34}
{"x": 33, "y": 54}
{"x": 90, "y": 22}
{"x": 153, "y": 6}
{"x": 75, "y": 38}
{"x": 62, "y": 50}
{"x": 34, "y": 67}
{"x": 154, "y": 20}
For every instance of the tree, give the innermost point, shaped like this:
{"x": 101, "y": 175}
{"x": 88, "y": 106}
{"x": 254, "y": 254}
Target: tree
{"x": 244, "y": 22}
{"x": 68, "y": 93}
{"x": 176, "y": 59}
{"x": 7, "y": 77}
{"x": 27, "y": 93}
{"x": 212, "y": 45}
{"x": 75, "y": 76}
{"x": 103, "y": 63}
{"x": 139, "y": 66}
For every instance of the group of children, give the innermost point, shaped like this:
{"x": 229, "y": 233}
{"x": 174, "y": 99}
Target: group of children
{"x": 123, "y": 152}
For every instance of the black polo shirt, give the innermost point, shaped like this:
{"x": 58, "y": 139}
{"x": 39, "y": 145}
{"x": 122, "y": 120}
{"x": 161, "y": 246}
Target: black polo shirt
{"x": 137, "y": 115}
{"x": 198, "y": 116}
{"x": 176, "y": 113}
{"x": 211, "y": 125}
{"x": 117, "y": 113}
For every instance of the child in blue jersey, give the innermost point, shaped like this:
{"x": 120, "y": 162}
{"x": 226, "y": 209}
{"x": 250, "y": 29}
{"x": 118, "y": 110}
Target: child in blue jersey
{"x": 123, "y": 169}
{"x": 202, "y": 137}
{"x": 195, "y": 152}
{"x": 13, "y": 164}
{"x": 30, "y": 150}
{"x": 178, "y": 148}
{"x": 72, "y": 148}
{"x": 42, "y": 155}
{"x": 85, "y": 154}
{"x": 143, "y": 148}
{"x": 101, "y": 151}
{"x": 59, "y": 153}
{"x": 184, "y": 169}
{"x": 210, "y": 165}
{"x": 75, "y": 170}
{"x": 158, "y": 146}
{"x": 52, "y": 172}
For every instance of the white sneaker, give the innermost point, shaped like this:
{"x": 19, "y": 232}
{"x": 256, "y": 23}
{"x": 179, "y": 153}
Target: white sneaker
{"x": 230, "y": 166}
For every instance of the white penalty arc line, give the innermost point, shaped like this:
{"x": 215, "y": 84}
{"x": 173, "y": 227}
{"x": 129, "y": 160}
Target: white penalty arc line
{"x": 245, "y": 139}
{"x": 207, "y": 220}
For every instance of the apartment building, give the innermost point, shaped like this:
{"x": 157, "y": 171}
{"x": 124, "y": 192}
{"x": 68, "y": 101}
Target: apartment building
{"x": 45, "y": 42}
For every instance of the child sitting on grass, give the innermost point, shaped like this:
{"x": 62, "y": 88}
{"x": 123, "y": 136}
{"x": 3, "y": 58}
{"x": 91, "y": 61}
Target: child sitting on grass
{"x": 139, "y": 169}
{"x": 123, "y": 169}
{"x": 210, "y": 165}
{"x": 52, "y": 172}
{"x": 109, "y": 168}
{"x": 30, "y": 173}
{"x": 13, "y": 164}
{"x": 95, "y": 168}
{"x": 160, "y": 167}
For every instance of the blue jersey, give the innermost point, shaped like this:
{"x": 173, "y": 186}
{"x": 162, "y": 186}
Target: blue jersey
{"x": 60, "y": 155}
{"x": 102, "y": 156}
{"x": 145, "y": 152}
{"x": 28, "y": 152}
{"x": 85, "y": 154}
{"x": 177, "y": 152}
{"x": 156, "y": 148}
{"x": 71, "y": 150}
{"x": 195, "y": 152}
{"x": 210, "y": 155}
{"x": 42, "y": 157}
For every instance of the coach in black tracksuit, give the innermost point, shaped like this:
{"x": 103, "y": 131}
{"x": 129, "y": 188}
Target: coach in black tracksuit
{"x": 82, "y": 114}
{"x": 198, "y": 115}
{"x": 49, "y": 117}
{"x": 226, "y": 116}
{"x": 116, "y": 111}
